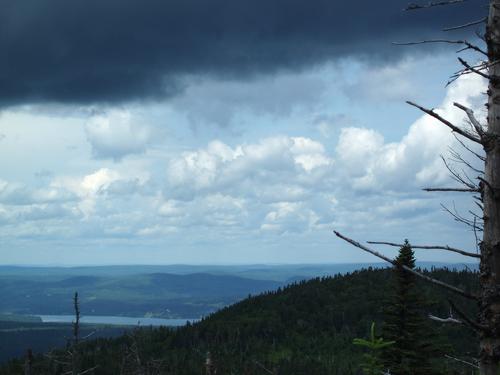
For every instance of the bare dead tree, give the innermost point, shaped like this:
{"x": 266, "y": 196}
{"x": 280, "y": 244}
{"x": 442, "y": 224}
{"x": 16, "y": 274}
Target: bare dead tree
{"x": 28, "y": 364}
{"x": 210, "y": 368}
{"x": 70, "y": 359}
{"x": 487, "y": 189}
{"x": 76, "y": 323}
{"x": 134, "y": 362}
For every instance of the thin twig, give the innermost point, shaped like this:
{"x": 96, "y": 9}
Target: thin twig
{"x": 88, "y": 370}
{"x": 473, "y": 69}
{"x": 476, "y": 237}
{"x": 446, "y": 41}
{"x": 457, "y": 217}
{"x": 484, "y": 65}
{"x": 480, "y": 157}
{"x": 463, "y": 178}
{"x": 89, "y": 335}
{"x": 414, "y": 6}
{"x": 428, "y": 247}
{"x": 457, "y": 158}
{"x": 461, "y": 360}
{"x": 263, "y": 367}
{"x": 468, "y": 24}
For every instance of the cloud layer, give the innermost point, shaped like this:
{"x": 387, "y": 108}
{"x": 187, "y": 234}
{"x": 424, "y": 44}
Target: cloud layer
{"x": 277, "y": 186}
{"x": 118, "y": 50}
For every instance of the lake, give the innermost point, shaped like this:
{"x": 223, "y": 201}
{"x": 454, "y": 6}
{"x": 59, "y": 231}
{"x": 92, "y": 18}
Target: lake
{"x": 116, "y": 320}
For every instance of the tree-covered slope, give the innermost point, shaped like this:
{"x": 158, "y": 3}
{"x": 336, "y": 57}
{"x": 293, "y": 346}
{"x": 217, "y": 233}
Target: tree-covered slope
{"x": 305, "y": 328}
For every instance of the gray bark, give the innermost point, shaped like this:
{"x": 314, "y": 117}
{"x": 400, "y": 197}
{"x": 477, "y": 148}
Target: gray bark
{"x": 489, "y": 303}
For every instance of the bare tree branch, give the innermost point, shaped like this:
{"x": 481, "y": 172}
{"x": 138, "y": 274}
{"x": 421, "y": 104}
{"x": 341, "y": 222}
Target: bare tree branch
{"x": 428, "y": 247}
{"x": 463, "y": 178}
{"x": 468, "y": 24}
{"x": 263, "y": 367}
{"x": 89, "y": 335}
{"x": 88, "y": 370}
{"x": 454, "y": 128}
{"x": 459, "y": 190}
{"x": 480, "y": 157}
{"x": 467, "y": 44}
{"x": 476, "y": 326}
{"x": 461, "y": 361}
{"x": 457, "y": 217}
{"x": 445, "y": 320}
{"x": 457, "y": 158}
{"x": 473, "y": 69}
{"x": 444, "y": 285}
{"x": 484, "y": 65}
{"x": 474, "y": 121}
{"x": 414, "y": 6}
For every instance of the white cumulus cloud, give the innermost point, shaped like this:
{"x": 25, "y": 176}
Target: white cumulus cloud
{"x": 368, "y": 162}
{"x": 117, "y": 133}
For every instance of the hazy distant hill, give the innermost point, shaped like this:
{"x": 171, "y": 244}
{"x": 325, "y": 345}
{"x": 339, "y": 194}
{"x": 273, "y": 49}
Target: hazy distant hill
{"x": 276, "y": 272}
{"x": 176, "y": 291}
{"x": 158, "y": 294}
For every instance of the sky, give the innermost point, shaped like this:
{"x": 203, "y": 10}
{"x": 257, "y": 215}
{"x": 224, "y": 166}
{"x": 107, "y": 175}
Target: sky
{"x": 226, "y": 131}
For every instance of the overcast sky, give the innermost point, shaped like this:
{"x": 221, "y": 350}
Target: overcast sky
{"x": 225, "y": 131}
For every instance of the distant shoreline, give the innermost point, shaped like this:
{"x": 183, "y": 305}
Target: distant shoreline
{"x": 116, "y": 320}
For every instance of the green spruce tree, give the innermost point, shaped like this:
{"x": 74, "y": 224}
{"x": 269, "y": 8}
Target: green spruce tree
{"x": 371, "y": 364}
{"x": 406, "y": 324}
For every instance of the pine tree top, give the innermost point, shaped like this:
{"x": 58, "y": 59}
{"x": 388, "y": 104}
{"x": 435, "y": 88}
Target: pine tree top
{"x": 406, "y": 256}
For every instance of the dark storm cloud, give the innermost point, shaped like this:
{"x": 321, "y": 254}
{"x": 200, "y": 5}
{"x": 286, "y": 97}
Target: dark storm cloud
{"x": 84, "y": 51}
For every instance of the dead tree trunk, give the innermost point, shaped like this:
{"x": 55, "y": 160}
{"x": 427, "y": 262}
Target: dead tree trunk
{"x": 489, "y": 304}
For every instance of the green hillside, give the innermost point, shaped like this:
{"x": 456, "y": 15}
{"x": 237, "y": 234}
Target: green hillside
{"x": 305, "y": 328}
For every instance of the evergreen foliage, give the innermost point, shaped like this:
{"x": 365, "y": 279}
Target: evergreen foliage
{"x": 406, "y": 323}
{"x": 372, "y": 364}
{"x": 306, "y": 328}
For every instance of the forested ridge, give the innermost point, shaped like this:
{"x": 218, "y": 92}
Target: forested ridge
{"x": 304, "y": 328}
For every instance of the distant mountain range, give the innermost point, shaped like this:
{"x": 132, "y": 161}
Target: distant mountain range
{"x": 277, "y": 272}
{"x": 172, "y": 291}
{"x": 156, "y": 294}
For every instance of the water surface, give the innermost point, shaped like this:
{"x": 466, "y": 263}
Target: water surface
{"x": 115, "y": 320}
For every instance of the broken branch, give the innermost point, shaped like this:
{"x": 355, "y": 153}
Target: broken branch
{"x": 444, "y": 285}
{"x": 474, "y": 121}
{"x": 428, "y": 247}
{"x": 444, "y": 320}
{"x": 454, "y": 128}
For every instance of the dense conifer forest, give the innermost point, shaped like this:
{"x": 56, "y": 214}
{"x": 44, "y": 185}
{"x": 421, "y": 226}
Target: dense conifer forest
{"x": 305, "y": 328}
